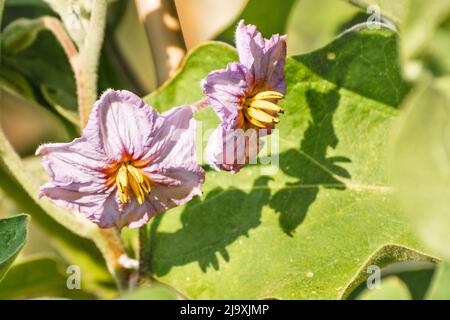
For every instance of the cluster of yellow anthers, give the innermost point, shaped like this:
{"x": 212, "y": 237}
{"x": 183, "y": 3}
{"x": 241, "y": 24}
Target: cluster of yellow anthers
{"x": 260, "y": 112}
{"x": 131, "y": 179}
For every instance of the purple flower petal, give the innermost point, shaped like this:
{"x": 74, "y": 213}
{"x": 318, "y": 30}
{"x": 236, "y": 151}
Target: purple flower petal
{"x": 121, "y": 124}
{"x": 175, "y": 186}
{"x": 86, "y": 200}
{"x": 230, "y": 150}
{"x": 112, "y": 214}
{"x": 173, "y": 137}
{"x": 75, "y": 163}
{"x": 225, "y": 90}
{"x": 264, "y": 57}
{"x": 233, "y": 93}
{"x": 176, "y": 177}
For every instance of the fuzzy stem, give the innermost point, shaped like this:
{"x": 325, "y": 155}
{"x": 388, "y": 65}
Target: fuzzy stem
{"x": 144, "y": 252}
{"x": 89, "y": 60}
{"x": 110, "y": 244}
{"x": 202, "y": 104}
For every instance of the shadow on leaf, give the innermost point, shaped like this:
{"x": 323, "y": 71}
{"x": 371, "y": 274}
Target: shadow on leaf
{"x": 208, "y": 226}
{"x": 373, "y": 73}
{"x": 310, "y": 164}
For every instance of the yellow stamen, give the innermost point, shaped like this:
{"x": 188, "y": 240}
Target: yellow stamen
{"x": 137, "y": 190}
{"x": 146, "y": 185}
{"x": 135, "y": 173}
{"x": 261, "y": 116}
{"x": 256, "y": 122}
{"x": 130, "y": 180}
{"x": 259, "y": 112}
{"x": 266, "y": 105}
{"x": 268, "y": 95}
{"x": 122, "y": 184}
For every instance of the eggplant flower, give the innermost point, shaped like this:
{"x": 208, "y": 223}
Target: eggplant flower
{"x": 244, "y": 95}
{"x": 129, "y": 164}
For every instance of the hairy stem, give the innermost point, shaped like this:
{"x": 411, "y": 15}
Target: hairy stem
{"x": 87, "y": 71}
{"x": 164, "y": 34}
{"x": 144, "y": 252}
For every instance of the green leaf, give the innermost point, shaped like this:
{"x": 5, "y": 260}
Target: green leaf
{"x": 20, "y": 34}
{"x": 440, "y": 287}
{"x": 184, "y": 87}
{"x": 255, "y": 12}
{"x": 151, "y": 292}
{"x": 16, "y": 9}
{"x": 421, "y": 163}
{"x": 311, "y": 229}
{"x": 15, "y": 83}
{"x": 392, "y": 288}
{"x": 47, "y": 70}
{"x": 13, "y": 234}
{"x": 37, "y": 277}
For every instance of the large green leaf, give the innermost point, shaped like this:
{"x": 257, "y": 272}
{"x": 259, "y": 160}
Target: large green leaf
{"x": 13, "y": 234}
{"x": 37, "y": 277}
{"x": 311, "y": 229}
{"x": 48, "y": 69}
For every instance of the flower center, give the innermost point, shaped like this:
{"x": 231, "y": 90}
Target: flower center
{"x": 130, "y": 181}
{"x": 259, "y": 111}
